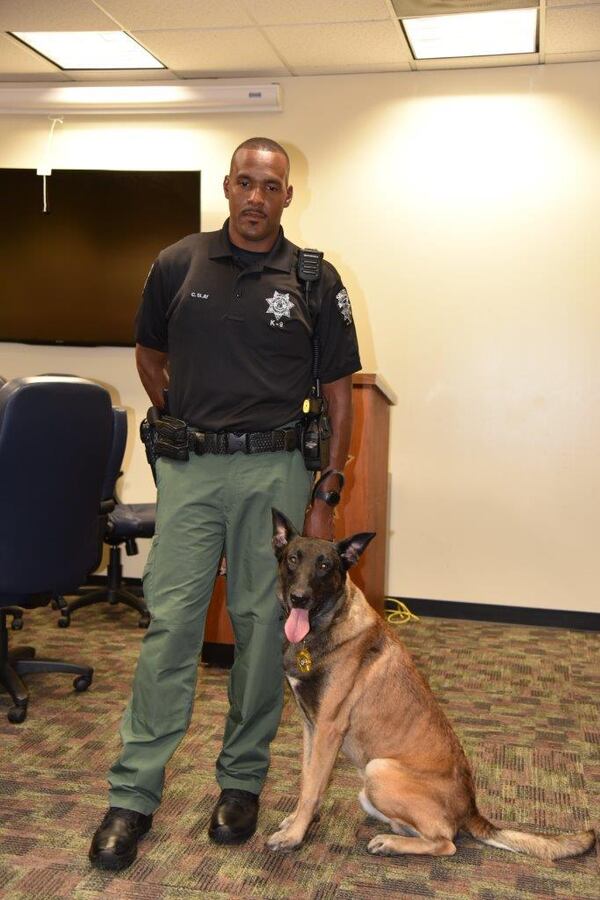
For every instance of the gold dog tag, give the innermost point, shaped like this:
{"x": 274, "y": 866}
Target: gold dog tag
{"x": 304, "y": 660}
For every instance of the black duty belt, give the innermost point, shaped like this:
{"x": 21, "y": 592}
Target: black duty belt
{"x": 226, "y": 442}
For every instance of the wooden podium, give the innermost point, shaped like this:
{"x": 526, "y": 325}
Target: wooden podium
{"x": 364, "y": 503}
{"x": 364, "y": 507}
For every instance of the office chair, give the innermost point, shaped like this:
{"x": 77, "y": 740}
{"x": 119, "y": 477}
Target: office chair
{"x": 55, "y": 439}
{"x": 126, "y": 523}
{"x": 14, "y": 611}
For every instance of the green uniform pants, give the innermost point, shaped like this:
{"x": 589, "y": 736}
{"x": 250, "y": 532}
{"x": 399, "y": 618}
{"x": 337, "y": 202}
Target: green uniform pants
{"x": 208, "y": 504}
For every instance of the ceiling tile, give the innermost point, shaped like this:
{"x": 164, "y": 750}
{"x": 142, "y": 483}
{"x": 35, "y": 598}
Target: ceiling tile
{"x": 165, "y": 14}
{"x": 590, "y": 56}
{"x": 573, "y": 30}
{"x": 343, "y": 47}
{"x": 205, "y": 53}
{"x": 17, "y": 60}
{"x": 43, "y": 15}
{"x": 292, "y": 12}
{"x": 556, "y": 3}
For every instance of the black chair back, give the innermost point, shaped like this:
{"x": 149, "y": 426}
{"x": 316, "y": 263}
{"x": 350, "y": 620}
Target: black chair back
{"x": 117, "y": 451}
{"x": 55, "y": 440}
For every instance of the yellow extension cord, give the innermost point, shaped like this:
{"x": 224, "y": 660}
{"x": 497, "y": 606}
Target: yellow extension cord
{"x": 401, "y": 615}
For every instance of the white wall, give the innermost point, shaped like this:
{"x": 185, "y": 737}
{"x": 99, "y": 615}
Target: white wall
{"x": 461, "y": 207}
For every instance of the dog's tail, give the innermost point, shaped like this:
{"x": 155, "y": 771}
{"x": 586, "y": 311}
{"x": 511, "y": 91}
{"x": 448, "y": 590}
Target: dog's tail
{"x": 544, "y": 846}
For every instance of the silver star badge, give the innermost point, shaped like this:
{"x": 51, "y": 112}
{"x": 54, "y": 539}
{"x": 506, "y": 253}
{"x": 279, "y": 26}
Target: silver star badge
{"x": 279, "y": 306}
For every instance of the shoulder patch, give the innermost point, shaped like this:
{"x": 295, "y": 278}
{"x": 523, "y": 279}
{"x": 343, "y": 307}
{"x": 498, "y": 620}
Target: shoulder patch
{"x": 343, "y": 303}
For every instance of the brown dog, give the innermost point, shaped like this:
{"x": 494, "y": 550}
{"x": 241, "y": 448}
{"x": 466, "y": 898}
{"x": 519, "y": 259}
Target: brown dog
{"x": 358, "y": 689}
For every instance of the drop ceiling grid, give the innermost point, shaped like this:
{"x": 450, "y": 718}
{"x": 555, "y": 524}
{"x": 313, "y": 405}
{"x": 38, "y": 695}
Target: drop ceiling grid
{"x": 271, "y": 38}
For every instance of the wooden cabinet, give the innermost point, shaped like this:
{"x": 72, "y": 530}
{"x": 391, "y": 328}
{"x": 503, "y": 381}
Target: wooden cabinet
{"x": 364, "y": 507}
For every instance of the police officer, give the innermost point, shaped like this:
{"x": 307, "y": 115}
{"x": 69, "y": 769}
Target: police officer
{"x": 226, "y": 326}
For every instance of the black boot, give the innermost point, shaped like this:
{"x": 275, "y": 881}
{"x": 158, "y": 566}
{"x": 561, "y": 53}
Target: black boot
{"x": 234, "y": 817}
{"x": 114, "y": 845}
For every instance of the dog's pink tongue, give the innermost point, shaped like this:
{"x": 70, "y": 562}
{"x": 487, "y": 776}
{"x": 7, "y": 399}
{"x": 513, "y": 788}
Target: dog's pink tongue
{"x": 296, "y": 626}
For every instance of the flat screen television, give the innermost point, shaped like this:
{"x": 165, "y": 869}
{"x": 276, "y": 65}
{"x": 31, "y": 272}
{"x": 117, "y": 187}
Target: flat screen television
{"x": 74, "y": 274}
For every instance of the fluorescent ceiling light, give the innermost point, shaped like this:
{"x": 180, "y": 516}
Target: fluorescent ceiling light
{"x": 493, "y": 33}
{"x": 89, "y": 49}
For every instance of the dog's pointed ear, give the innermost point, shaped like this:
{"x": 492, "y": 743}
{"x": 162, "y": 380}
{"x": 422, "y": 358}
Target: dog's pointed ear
{"x": 352, "y": 548}
{"x": 283, "y": 531}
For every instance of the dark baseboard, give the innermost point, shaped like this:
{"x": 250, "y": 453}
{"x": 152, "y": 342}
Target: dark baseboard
{"x": 455, "y": 609}
{"x": 513, "y": 615}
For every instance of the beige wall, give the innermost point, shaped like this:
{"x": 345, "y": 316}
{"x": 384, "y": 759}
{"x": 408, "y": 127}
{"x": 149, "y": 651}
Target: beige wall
{"x": 462, "y": 208}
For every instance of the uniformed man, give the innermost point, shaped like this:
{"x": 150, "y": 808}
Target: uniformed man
{"x": 225, "y": 325}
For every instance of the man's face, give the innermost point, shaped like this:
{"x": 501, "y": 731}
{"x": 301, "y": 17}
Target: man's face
{"x": 258, "y": 192}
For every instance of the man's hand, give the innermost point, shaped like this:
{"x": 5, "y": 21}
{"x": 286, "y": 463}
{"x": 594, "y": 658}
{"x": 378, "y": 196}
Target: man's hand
{"x": 318, "y": 521}
{"x": 319, "y": 518}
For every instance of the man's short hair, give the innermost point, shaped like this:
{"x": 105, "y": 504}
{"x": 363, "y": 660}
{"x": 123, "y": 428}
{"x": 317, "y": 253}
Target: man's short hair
{"x": 262, "y": 143}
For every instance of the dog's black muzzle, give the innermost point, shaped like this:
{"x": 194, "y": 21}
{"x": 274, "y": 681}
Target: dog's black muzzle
{"x": 299, "y": 601}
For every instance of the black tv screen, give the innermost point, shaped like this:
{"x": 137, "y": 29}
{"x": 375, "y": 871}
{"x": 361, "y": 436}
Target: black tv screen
{"x": 74, "y": 274}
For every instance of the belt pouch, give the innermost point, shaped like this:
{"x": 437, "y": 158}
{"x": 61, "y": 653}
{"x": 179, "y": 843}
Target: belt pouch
{"x": 171, "y": 438}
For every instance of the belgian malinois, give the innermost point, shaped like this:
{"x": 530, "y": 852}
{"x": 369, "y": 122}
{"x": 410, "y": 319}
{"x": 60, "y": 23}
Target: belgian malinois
{"x": 358, "y": 689}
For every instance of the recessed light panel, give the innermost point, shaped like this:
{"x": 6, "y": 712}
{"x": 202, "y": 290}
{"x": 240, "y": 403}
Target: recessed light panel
{"x": 494, "y": 33}
{"x": 89, "y": 49}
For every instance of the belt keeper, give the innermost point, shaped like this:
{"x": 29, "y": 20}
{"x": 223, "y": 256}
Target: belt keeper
{"x": 199, "y": 442}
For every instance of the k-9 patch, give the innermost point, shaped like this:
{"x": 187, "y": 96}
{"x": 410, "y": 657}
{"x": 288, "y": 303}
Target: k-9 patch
{"x": 343, "y": 302}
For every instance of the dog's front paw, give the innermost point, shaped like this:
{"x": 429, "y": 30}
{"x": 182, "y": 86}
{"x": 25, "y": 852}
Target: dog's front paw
{"x": 382, "y": 844}
{"x": 287, "y": 822}
{"x": 285, "y": 840}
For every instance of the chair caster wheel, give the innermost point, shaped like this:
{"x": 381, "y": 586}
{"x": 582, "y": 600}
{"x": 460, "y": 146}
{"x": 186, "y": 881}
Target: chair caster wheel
{"x": 82, "y": 683}
{"x": 144, "y": 622}
{"x": 17, "y": 714}
{"x": 64, "y": 621}
{"x": 16, "y": 624}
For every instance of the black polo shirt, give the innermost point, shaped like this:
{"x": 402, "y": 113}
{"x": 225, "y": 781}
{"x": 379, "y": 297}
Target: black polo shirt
{"x": 239, "y": 338}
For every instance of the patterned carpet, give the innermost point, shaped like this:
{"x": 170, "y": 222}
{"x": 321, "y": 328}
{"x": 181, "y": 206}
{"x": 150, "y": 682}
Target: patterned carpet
{"x": 524, "y": 701}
